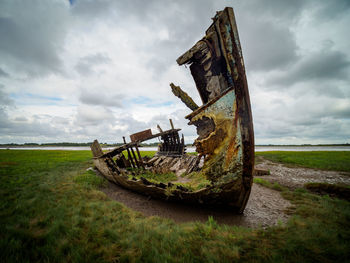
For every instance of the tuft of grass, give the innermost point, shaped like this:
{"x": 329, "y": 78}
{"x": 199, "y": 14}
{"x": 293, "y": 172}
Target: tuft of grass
{"x": 196, "y": 181}
{"x": 143, "y": 153}
{"x": 334, "y": 190}
{"x": 324, "y": 160}
{"x": 158, "y": 178}
{"x": 89, "y": 179}
{"x": 275, "y": 186}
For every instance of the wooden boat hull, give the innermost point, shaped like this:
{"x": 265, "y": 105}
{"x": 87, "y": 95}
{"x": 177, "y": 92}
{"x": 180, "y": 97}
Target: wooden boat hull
{"x": 226, "y": 195}
{"x": 224, "y": 125}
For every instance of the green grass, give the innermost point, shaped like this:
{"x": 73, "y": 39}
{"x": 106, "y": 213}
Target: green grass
{"x": 90, "y": 180}
{"x": 157, "y": 178}
{"x": 266, "y": 183}
{"x": 196, "y": 181}
{"x": 334, "y": 190}
{"x": 52, "y": 211}
{"x": 143, "y": 153}
{"x": 324, "y": 160}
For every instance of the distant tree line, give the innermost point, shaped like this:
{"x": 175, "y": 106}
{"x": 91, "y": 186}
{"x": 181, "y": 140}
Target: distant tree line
{"x": 70, "y": 144}
{"x": 153, "y": 144}
{"x": 306, "y": 144}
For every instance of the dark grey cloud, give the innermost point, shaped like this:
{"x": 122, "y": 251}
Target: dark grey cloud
{"x": 287, "y": 11}
{"x": 93, "y": 116}
{"x": 184, "y": 21}
{"x": 319, "y": 130}
{"x": 3, "y": 74}
{"x": 331, "y": 10}
{"x": 5, "y": 99}
{"x": 96, "y": 122}
{"x": 24, "y": 119}
{"x": 267, "y": 45}
{"x": 268, "y": 42}
{"x": 86, "y": 65}
{"x": 319, "y": 119}
{"x": 100, "y": 97}
{"x": 4, "y": 122}
{"x": 33, "y": 34}
{"x": 324, "y": 65}
{"x": 327, "y": 64}
{"x": 92, "y": 9}
{"x": 131, "y": 125}
{"x": 20, "y": 127}
{"x": 265, "y": 29}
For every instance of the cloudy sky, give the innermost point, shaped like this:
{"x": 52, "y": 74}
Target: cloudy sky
{"x": 80, "y": 70}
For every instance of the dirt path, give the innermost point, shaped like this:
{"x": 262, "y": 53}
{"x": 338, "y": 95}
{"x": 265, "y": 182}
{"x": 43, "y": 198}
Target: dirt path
{"x": 295, "y": 177}
{"x": 265, "y": 207}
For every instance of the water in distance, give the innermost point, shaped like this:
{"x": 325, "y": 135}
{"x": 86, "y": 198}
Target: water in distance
{"x": 193, "y": 149}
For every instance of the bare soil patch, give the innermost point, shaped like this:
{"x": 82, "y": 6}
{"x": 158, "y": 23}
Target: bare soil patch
{"x": 296, "y": 177}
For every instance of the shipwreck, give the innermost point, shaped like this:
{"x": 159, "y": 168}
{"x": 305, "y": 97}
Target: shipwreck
{"x": 221, "y": 174}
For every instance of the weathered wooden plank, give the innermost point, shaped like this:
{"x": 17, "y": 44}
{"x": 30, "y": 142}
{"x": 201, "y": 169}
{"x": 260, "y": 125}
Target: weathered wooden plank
{"x": 171, "y": 124}
{"x": 139, "y": 155}
{"x": 129, "y": 155}
{"x": 159, "y": 128}
{"x": 183, "y": 96}
{"x": 134, "y": 156}
{"x": 159, "y": 134}
{"x": 141, "y": 136}
{"x": 96, "y": 149}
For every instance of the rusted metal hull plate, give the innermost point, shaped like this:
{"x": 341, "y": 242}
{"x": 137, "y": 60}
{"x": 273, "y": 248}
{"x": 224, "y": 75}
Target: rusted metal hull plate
{"x": 223, "y": 146}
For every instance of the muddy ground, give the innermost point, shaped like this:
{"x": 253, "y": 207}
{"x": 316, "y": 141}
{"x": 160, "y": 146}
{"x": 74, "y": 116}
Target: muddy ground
{"x": 296, "y": 177}
{"x": 265, "y": 207}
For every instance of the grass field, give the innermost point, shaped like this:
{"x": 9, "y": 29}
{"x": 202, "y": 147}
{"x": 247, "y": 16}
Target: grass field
{"x": 52, "y": 211}
{"x": 335, "y": 161}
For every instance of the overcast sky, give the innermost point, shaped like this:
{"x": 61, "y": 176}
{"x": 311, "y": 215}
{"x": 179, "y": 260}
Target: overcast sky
{"x": 80, "y": 70}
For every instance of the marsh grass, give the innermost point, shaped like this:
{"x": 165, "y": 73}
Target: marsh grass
{"x": 196, "y": 181}
{"x": 334, "y": 190}
{"x": 89, "y": 179}
{"x": 275, "y": 186}
{"x": 143, "y": 153}
{"x": 49, "y": 214}
{"x": 324, "y": 160}
{"x": 157, "y": 178}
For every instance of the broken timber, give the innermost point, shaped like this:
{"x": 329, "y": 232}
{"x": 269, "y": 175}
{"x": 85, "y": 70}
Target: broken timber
{"x": 225, "y": 142}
